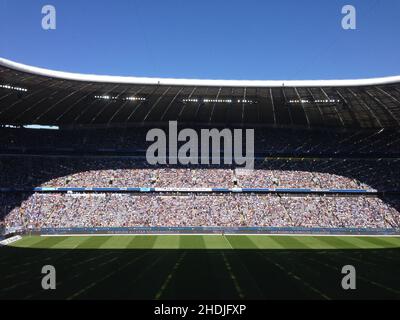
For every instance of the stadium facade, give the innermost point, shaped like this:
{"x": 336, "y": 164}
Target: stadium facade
{"x": 92, "y": 174}
{"x": 31, "y": 95}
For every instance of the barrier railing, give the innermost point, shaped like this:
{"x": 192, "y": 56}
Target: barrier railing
{"x": 213, "y": 230}
{"x": 192, "y": 190}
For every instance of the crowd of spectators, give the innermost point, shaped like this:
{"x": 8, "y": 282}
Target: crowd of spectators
{"x": 292, "y": 159}
{"x": 118, "y": 210}
{"x": 30, "y": 171}
{"x": 269, "y": 140}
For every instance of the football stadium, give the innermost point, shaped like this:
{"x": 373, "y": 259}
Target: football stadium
{"x": 77, "y": 190}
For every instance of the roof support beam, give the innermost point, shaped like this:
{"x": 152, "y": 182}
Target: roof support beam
{"x": 156, "y": 103}
{"x": 243, "y": 100}
{"x": 76, "y": 119}
{"x": 287, "y": 105}
{"x": 337, "y": 112}
{"x": 31, "y": 94}
{"x": 317, "y": 104}
{"x": 139, "y": 104}
{"x": 365, "y": 107}
{"x": 54, "y": 93}
{"x": 213, "y": 107}
{"x": 273, "y": 105}
{"x": 302, "y": 105}
{"x": 122, "y": 106}
{"x": 347, "y": 105}
{"x": 389, "y": 95}
{"x": 184, "y": 105}
{"x": 105, "y": 107}
{"x": 198, "y": 106}
{"x": 58, "y": 102}
{"x": 75, "y": 104}
{"x": 388, "y": 111}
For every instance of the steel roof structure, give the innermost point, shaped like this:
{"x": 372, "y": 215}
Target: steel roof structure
{"x": 31, "y": 95}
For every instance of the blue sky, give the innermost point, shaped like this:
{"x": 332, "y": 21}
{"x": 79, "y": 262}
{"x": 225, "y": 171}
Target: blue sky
{"x": 216, "y": 39}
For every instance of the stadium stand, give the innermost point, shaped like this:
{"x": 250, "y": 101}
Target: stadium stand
{"x": 116, "y": 210}
{"x": 29, "y": 171}
{"x": 327, "y": 153}
{"x": 268, "y": 142}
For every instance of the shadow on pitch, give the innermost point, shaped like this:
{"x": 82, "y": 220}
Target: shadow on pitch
{"x": 199, "y": 274}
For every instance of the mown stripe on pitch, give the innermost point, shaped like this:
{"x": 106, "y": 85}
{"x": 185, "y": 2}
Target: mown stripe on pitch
{"x": 114, "y": 271}
{"x": 314, "y": 242}
{"x": 390, "y": 255}
{"x": 354, "y": 255}
{"x": 151, "y": 274}
{"x": 69, "y": 243}
{"x": 294, "y": 276}
{"x": 142, "y": 242}
{"x": 48, "y": 243}
{"x": 234, "y": 279}
{"x": 191, "y": 242}
{"x": 265, "y": 242}
{"x": 240, "y": 242}
{"x": 117, "y": 242}
{"x": 215, "y": 242}
{"x": 289, "y": 242}
{"x": 313, "y": 276}
{"x": 170, "y": 276}
{"x": 378, "y": 242}
{"x": 239, "y": 264}
{"x": 111, "y": 241}
{"x": 361, "y": 243}
{"x": 166, "y": 242}
{"x": 93, "y": 242}
{"x": 393, "y": 240}
{"x": 338, "y": 243}
{"x": 26, "y": 242}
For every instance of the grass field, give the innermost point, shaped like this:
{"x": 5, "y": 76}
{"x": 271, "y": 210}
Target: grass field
{"x": 201, "y": 267}
{"x": 208, "y": 242}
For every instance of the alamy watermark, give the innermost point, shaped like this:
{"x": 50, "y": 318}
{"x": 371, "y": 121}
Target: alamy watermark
{"x": 165, "y": 147}
{"x": 349, "y": 280}
{"x": 49, "y": 21}
{"x": 49, "y": 280}
{"x": 349, "y": 21}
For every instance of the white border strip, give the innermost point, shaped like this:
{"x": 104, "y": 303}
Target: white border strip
{"x": 195, "y": 82}
{"x": 220, "y": 234}
{"x": 8, "y": 241}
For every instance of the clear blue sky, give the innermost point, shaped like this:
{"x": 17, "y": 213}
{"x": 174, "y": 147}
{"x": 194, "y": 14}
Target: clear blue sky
{"x": 216, "y": 39}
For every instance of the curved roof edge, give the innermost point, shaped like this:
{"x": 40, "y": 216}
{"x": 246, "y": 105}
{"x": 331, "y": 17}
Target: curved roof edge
{"x": 194, "y": 82}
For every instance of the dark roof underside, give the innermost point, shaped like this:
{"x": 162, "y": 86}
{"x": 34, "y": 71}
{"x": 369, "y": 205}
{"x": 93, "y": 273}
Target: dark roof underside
{"x": 50, "y": 101}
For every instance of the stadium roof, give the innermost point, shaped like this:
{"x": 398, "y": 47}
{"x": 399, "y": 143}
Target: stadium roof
{"x": 31, "y": 95}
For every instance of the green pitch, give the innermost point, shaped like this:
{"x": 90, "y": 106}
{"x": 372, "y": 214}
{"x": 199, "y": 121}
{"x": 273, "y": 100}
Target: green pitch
{"x": 207, "y": 242}
{"x": 201, "y": 267}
